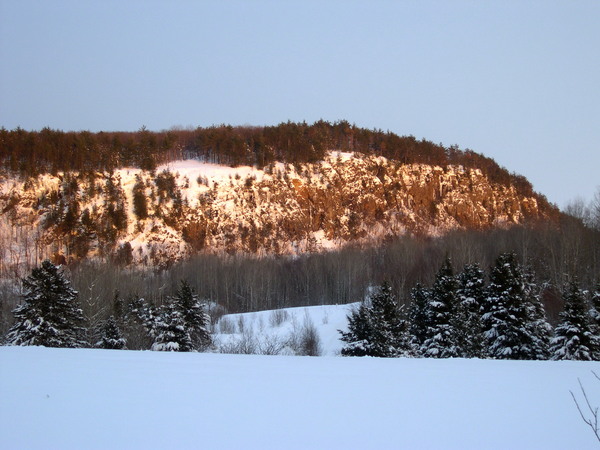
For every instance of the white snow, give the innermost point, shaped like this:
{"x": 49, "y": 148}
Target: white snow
{"x": 71, "y": 399}
{"x": 327, "y": 319}
{"x": 74, "y": 399}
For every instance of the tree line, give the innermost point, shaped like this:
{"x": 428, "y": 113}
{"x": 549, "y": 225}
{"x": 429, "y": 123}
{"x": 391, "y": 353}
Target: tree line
{"x": 251, "y": 283}
{"x": 50, "y": 315}
{"x": 462, "y": 316}
{"x": 50, "y": 151}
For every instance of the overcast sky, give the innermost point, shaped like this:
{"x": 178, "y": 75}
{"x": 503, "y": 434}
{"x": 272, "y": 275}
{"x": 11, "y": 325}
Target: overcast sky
{"x": 515, "y": 80}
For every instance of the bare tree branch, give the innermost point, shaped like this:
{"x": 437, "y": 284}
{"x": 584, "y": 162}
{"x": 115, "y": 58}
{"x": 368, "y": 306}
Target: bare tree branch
{"x": 592, "y": 420}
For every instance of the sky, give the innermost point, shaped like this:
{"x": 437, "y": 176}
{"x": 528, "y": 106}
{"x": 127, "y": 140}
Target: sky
{"x": 518, "y": 81}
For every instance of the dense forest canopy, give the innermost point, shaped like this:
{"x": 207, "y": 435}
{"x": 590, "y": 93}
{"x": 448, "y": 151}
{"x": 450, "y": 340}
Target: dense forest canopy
{"x": 50, "y": 151}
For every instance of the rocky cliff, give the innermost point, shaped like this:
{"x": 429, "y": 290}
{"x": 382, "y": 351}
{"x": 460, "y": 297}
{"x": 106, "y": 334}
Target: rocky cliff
{"x": 155, "y": 218}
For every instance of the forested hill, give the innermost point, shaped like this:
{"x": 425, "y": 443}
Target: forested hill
{"x": 32, "y": 153}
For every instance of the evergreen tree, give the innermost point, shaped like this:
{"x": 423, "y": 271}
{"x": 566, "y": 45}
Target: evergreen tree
{"x": 508, "y": 320}
{"x": 140, "y": 202}
{"x": 595, "y": 308}
{"x": 358, "y": 336}
{"x": 193, "y": 312}
{"x": 441, "y": 335}
{"x": 418, "y": 317}
{"x": 470, "y": 297}
{"x": 111, "y": 336}
{"x": 171, "y": 333}
{"x": 574, "y": 338}
{"x": 50, "y": 314}
{"x": 537, "y": 326}
{"x": 595, "y": 315}
{"x": 376, "y": 328}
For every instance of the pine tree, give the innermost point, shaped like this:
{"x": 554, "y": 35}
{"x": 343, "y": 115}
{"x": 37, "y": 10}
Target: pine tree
{"x": 574, "y": 338}
{"x": 111, "y": 336}
{"x": 418, "y": 317}
{"x": 195, "y": 318}
{"x": 50, "y": 314}
{"x": 376, "y": 328}
{"x": 441, "y": 335}
{"x": 470, "y": 298}
{"x": 509, "y": 319}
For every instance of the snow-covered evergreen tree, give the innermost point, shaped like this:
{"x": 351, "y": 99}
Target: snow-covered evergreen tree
{"x": 595, "y": 307}
{"x": 171, "y": 333}
{"x": 575, "y": 337}
{"x": 595, "y": 315}
{"x": 195, "y": 318}
{"x": 538, "y": 328}
{"x": 50, "y": 314}
{"x": 470, "y": 298}
{"x": 441, "y": 335}
{"x": 418, "y": 317}
{"x": 509, "y": 322}
{"x": 110, "y": 336}
{"x": 377, "y": 327}
{"x": 358, "y": 336}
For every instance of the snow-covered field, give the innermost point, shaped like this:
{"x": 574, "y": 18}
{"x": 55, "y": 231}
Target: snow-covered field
{"x": 75, "y": 399}
{"x": 282, "y": 324}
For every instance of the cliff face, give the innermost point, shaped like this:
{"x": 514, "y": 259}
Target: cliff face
{"x": 188, "y": 206}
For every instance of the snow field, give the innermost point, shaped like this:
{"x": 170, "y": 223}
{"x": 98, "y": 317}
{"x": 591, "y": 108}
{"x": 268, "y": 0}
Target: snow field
{"x": 74, "y": 399}
{"x": 280, "y": 325}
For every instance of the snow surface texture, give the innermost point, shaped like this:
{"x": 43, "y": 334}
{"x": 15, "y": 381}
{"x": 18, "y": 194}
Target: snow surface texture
{"x": 75, "y": 398}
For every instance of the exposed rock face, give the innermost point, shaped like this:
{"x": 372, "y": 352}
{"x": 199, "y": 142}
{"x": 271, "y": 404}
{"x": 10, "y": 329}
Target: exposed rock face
{"x": 281, "y": 210}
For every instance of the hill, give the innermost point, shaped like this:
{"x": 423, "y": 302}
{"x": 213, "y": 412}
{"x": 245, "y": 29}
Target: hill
{"x": 156, "y": 217}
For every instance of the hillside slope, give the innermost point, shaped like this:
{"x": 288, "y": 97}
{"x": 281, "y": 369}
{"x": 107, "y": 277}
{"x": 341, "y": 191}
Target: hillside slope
{"x": 157, "y": 217}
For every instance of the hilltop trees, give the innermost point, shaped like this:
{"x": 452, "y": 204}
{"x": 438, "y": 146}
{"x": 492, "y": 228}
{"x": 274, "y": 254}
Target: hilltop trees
{"x": 50, "y": 314}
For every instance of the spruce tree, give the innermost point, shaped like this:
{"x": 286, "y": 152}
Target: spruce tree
{"x": 470, "y": 298}
{"x": 50, "y": 314}
{"x": 195, "y": 318}
{"x": 418, "y": 317}
{"x": 595, "y": 315}
{"x": 358, "y": 336}
{"x": 511, "y": 321}
{"x": 441, "y": 335}
{"x": 575, "y": 337}
{"x": 595, "y": 308}
{"x": 110, "y": 336}
{"x": 377, "y": 328}
{"x": 537, "y": 326}
{"x": 171, "y": 333}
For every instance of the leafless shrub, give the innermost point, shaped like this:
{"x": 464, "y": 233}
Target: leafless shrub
{"x": 270, "y": 345}
{"x": 305, "y": 341}
{"x": 226, "y": 326}
{"x": 278, "y": 316}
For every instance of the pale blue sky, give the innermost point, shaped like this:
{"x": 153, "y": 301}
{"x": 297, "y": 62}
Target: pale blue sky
{"x": 516, "y": 80}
